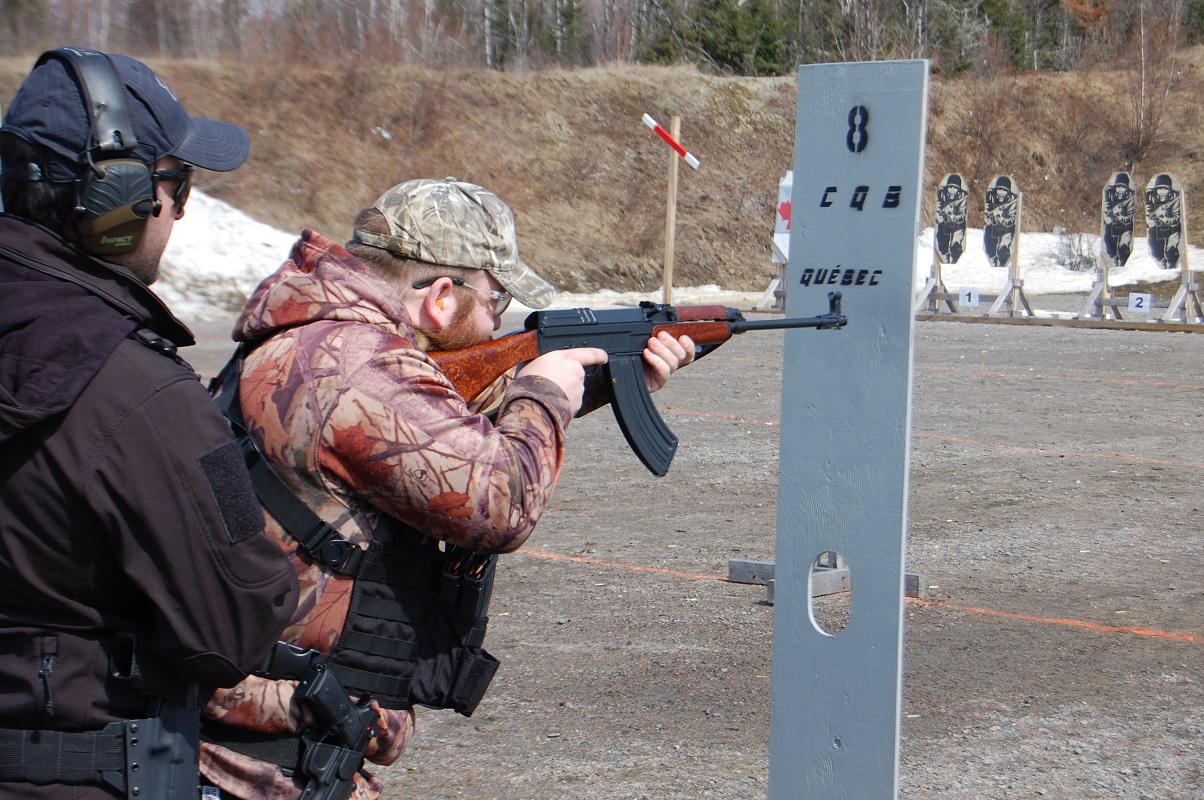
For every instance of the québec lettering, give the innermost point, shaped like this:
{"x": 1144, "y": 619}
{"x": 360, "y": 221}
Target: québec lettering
{"x": 840, "y": 277}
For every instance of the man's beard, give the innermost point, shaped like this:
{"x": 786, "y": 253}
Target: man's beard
{"x": 457, "y": 334}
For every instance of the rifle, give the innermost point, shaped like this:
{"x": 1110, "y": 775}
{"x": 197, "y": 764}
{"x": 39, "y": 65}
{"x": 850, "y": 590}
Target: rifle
{"x": 623, "y": 334}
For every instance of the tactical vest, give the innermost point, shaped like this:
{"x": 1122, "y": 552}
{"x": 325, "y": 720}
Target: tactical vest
{"x": 417, "y": 617}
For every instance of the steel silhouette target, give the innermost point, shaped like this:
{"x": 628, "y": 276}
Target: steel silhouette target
{"x": 1002, "y": 220}
{"x": 1164, "y": 218}
{"x": 1118, "y": 209}
{"x": 952, "y": 206}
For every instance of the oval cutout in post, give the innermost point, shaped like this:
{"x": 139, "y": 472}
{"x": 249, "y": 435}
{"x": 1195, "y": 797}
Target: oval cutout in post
{"x": 830, "y": 588}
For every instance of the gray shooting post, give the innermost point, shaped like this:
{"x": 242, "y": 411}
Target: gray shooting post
{"x": 846, "y": 421}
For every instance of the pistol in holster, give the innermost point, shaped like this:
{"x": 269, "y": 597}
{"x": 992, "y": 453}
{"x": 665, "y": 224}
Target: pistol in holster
{"x": 333, "y": 750}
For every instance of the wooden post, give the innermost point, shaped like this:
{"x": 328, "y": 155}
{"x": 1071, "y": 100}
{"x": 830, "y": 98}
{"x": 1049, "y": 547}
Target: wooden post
{"x": 1014, "y": 281}
{"x": 671, "y": 211}
{"x": 934, "y": 292}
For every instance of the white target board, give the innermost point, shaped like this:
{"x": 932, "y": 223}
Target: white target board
{"x": 846, "y": 421}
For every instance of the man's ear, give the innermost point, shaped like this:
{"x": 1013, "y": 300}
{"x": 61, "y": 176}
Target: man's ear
{"x": 439, "y": 305}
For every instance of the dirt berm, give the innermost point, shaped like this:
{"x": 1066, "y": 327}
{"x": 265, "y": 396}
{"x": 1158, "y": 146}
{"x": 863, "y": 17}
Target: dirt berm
{"x": 588, "y": 181}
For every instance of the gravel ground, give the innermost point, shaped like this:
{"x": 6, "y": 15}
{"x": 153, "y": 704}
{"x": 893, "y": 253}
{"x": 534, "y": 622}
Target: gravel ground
{"x": 1054, "y": 514}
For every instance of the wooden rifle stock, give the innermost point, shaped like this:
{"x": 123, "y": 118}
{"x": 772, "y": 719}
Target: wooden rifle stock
{"x": 473, "y": 369}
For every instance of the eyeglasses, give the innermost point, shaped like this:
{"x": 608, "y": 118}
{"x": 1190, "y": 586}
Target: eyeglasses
{"x": 183, "y": 174}
{"x": 501, "y": 300}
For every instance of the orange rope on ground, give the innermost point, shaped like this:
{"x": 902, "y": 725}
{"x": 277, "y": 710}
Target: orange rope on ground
{"x": 1073, "y": 623}
{"x": 1070, "y": 453}
{"x": 1178, "y": 637}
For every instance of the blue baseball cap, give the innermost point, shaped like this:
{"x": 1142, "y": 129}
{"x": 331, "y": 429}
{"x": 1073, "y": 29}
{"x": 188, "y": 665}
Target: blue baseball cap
{"x": 50, "y": 110}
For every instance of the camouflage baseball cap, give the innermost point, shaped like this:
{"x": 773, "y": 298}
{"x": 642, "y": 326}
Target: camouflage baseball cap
{"x": 457, "y": 224}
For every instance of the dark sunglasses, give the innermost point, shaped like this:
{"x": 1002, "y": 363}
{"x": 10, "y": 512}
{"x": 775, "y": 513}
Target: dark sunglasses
{"x": 183, "y": 174}
{"x": 501, "y": 300}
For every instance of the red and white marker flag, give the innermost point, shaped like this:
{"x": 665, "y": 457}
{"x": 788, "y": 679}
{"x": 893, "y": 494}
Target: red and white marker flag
{"x": 690, "y": 158}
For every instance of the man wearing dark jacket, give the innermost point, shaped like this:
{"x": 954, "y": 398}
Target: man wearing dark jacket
{"x": 136, "y": 575}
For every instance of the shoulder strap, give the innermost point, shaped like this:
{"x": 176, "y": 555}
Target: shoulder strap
{"x": 315, "y": 536}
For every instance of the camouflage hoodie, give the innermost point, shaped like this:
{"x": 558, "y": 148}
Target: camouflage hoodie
{"x": 345, "y": 403}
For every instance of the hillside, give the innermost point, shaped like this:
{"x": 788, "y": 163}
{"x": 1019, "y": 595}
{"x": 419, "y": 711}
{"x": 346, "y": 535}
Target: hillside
{"x": 587, "y": 181}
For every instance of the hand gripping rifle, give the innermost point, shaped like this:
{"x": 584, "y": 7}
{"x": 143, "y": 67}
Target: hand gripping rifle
{"x": 623, "y": 334}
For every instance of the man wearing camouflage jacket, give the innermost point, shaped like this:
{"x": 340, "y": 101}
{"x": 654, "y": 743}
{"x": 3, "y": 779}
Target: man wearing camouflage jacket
{"x": 362, "y": 425}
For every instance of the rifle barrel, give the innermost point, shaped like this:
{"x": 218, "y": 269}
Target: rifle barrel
{"x": 824, "y": 321}
{"x": 833, "y": 319}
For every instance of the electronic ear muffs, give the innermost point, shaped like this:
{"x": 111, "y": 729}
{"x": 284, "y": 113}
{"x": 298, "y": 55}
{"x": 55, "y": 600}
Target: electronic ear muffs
{"x": 116, "y": 195}
{"x": 115, "y": 202}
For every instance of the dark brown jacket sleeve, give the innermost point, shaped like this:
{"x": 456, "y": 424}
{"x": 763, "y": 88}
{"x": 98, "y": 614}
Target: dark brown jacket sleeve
{"x": 185, "y": 527}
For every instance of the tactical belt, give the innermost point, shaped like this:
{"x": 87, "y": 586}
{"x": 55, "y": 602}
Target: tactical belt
{"x": 46, "y": 757}
{"x": 149, "y": 759}
{"x": 289, "y": 662}
{"x": 282, "y": 749}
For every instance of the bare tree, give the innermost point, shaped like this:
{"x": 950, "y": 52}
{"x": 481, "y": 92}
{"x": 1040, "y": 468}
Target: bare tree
{"x": 487, "y": 14}
{"x": 640, "y": 18}
{"x": 21, "y": 21}
{"x": 610, "y": 30}
{"x": 1151, "y": 74}
{"x": 108, "y": 22}
{"x": 560, "y": 12}
{"x": 915, "y": 12}
{"x": 518, "y": 18}
{"x": 232, "y": 12}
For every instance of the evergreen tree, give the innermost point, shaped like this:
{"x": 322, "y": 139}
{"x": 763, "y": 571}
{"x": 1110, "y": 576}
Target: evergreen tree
{"x": 741, "y": 37}
{"x": 1193, "y": 22}
{"x": 566, "y": 38}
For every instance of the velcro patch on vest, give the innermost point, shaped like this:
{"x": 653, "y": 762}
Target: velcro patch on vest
{"x": 230, "y": 484}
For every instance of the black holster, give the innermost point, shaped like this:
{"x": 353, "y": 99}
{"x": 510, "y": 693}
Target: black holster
{"x": 161, "y": 755}
{"x": 162, "y": 752}
{"x": 143, "y": 759}
{"x": 329, "y": 770}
